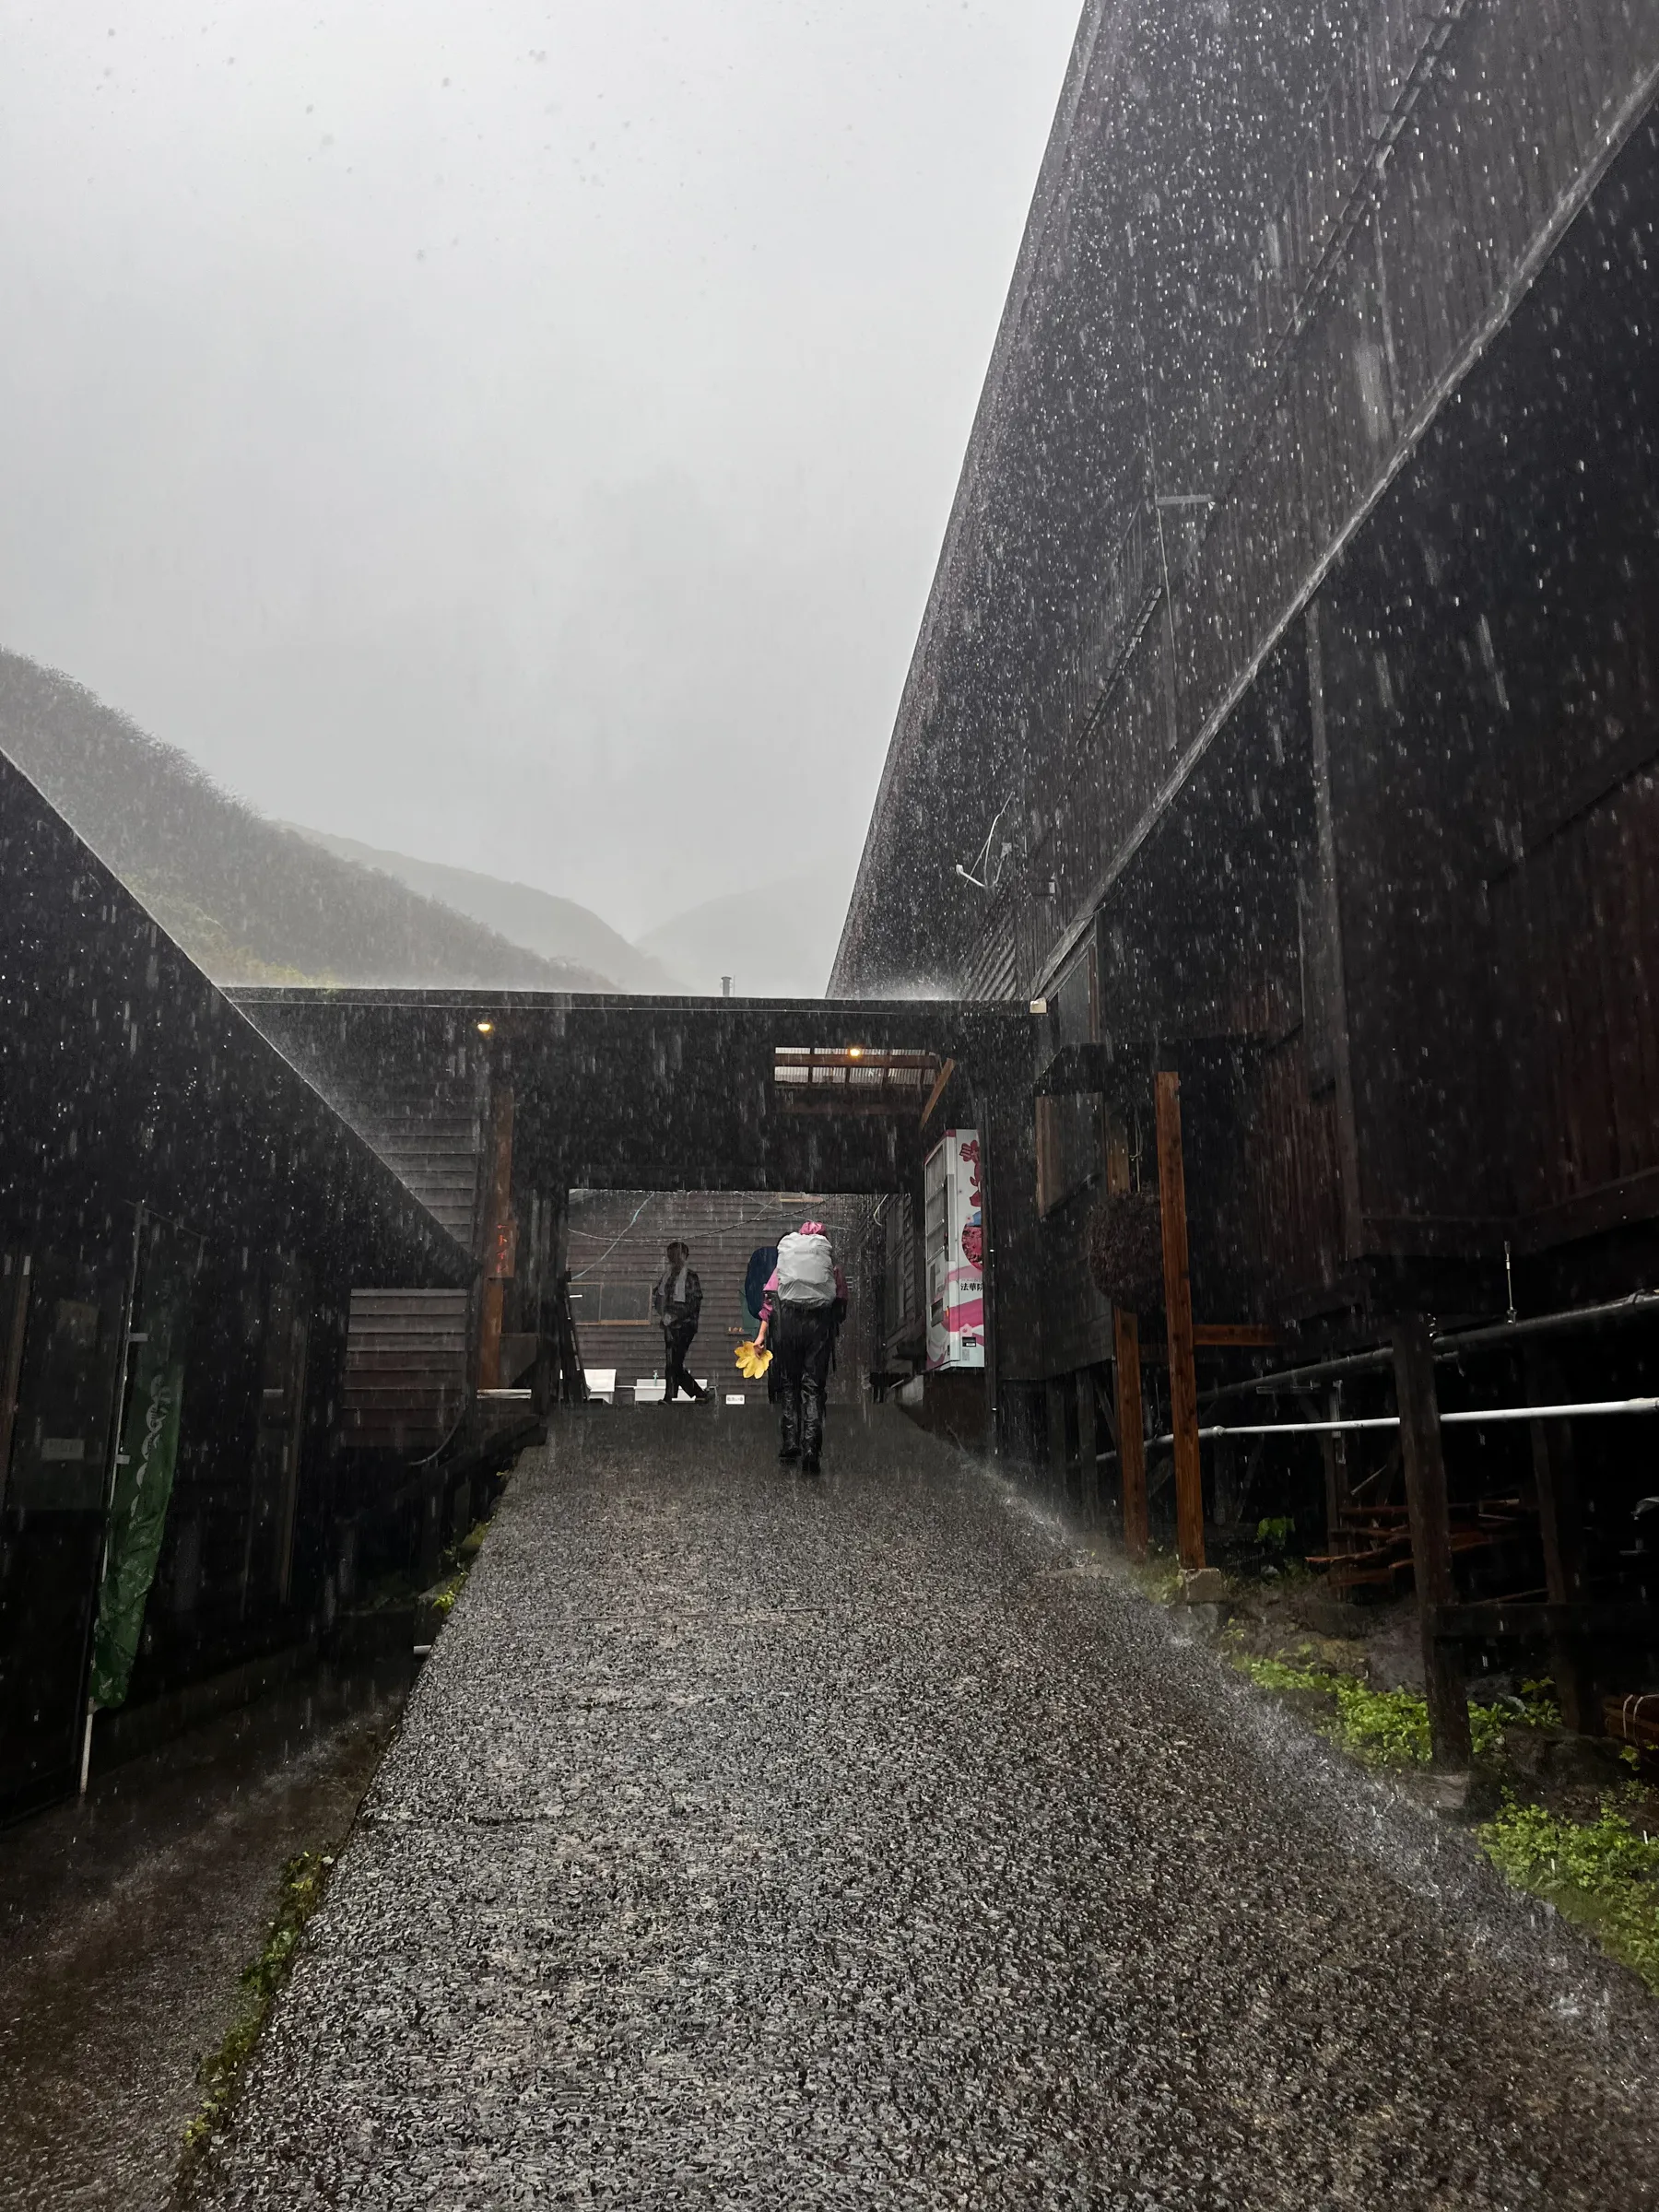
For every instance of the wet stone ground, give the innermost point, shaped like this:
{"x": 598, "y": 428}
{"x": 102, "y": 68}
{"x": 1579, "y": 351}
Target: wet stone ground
{"x": 755, "y": 1842}
{"x": 126, "y": 1919}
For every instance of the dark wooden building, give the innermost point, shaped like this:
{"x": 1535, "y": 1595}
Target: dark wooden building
{"x": 1286, "y": 715}
{"x": 162, "y": 1166}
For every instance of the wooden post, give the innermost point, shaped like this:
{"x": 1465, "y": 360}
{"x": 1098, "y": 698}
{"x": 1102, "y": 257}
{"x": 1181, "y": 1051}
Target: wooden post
{"x": 1130, "y": 1420}
{"x": 1088, "y": 1450}
{"x": 1225, "y": 1466}
{"x": 1058, "y": 1455}
{"x": 981, "y": 1121}
{"x": 1178, "y": 1310}
{"x": 16, "y": 1283}
{"x": 1132, "y": 1430}
{"x": 1336, "y": 1465}
{"x": 1561, "y": 1527}
{"x": 1325, "y": 952}
{"x": 1431, "y": 1537}
{"x": 497, "y": 1256}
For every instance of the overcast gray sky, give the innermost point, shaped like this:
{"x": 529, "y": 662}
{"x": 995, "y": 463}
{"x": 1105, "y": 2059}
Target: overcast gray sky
{"x": 517, "y": 433}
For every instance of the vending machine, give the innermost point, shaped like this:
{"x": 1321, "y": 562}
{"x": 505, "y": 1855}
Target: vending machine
{"x": 954, "y": 1244}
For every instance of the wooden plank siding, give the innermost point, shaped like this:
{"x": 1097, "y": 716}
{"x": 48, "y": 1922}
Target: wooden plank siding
{"x": 1489, "y": 133}
{"x": 1582, "y": 917}
{"x": 1522, "y": 107}
{"x": 405, "y": 1381}
{"x": 1292, "y": 1188}
{"x": 1385, "y": 301}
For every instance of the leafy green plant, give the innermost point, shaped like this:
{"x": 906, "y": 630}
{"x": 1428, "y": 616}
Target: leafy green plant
{"x": 1159, "y": 1577}
{"x": 1381, "y": 1727}
{"x": 1388, "y": 1728}
{"x": 1600, "y": 1873}
{"x": 1277, "y": 1533}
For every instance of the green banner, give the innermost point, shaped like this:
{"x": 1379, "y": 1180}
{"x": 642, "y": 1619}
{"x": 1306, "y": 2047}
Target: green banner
{"x": 150, "y": 1446}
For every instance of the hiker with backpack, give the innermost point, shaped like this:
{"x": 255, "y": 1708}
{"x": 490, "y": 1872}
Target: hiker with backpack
{"x": 806, "y": 1303}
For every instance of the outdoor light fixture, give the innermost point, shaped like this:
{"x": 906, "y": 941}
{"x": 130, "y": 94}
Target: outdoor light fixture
{"x": 855, "y": 1052}
{"x": 484, "y": 1027}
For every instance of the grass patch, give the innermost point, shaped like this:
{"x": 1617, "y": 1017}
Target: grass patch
{"x": 299, "y": 1893}
{"x": 1601, "y": 1873}
{"x": 1388, "y": 1728}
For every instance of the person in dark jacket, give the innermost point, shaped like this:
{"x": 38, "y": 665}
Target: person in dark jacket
{"x": 678, "y": 1301}
{"x": 805, "y": 1304}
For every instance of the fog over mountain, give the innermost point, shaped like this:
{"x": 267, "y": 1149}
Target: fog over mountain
{"x": 519, "y": 434}
{"x": 777, "y": 941}
{"x": 250, "y": 901}
{"x": 556, "y": 928}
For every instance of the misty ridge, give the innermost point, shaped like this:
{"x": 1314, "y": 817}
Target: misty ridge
{"x": 253, "y": 901}
{"x": 250, "y": 899}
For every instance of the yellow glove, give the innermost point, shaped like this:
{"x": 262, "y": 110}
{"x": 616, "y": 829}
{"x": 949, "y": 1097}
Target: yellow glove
{"x": 752, "y": 1360}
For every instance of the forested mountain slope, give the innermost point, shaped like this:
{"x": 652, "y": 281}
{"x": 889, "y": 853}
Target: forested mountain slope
{"x": 248, "y": 900}
{"x": 559, "y": 929}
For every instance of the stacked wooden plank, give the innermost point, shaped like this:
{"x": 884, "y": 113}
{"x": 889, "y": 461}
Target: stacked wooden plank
{"x": 1371, "y": 1544}
{"x": 406, "y": 1368}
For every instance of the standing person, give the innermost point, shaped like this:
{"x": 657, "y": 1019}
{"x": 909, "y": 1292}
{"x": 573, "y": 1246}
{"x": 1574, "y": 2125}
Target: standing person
{"x": 678, "y": 1301}
{"x": 806, "y": 1303}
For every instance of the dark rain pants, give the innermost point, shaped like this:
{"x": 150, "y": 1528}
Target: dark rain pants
{"x": 676, "y": 1342}
{"x": 802, "y": 1339}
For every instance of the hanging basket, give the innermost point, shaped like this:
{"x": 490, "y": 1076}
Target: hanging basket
{"x": 1125, "y": 1250}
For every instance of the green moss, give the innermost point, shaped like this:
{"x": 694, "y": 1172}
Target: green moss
{"x": 299, "y": 1893}
{"x": 1600, "y": 1873}
{"x": 459, "y": 1561}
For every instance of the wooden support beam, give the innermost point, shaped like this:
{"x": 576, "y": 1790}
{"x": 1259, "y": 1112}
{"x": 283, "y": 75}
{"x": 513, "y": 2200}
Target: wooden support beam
{"x": 1334, "y": 1448}
{"x": 1327, "y": 1000}
{"x": 1089, "y": 1449}
{"x": 936, "y": 1093}
{"x": 14, "y": 1301}
{"x": 1561, "y": 1527}
{"x": 1058, "y": 1443}
{"x": 498, "y": 1256}
{"x": 1431, "y": 1537}
{"x": 1178, "y": 1312}
{"x": 1525, "y": 1621}
{"x": 1132, "y": 1430}
{"x": 1126, "y": 1362}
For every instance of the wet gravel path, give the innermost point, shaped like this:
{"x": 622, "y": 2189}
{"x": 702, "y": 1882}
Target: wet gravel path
{"x": 755, "y": 1843}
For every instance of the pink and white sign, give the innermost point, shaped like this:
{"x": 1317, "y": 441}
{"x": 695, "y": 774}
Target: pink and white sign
{"x": 955, "y": 1234}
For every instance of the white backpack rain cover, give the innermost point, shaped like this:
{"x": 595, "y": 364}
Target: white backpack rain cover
{"x": 806, "y": 1271}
